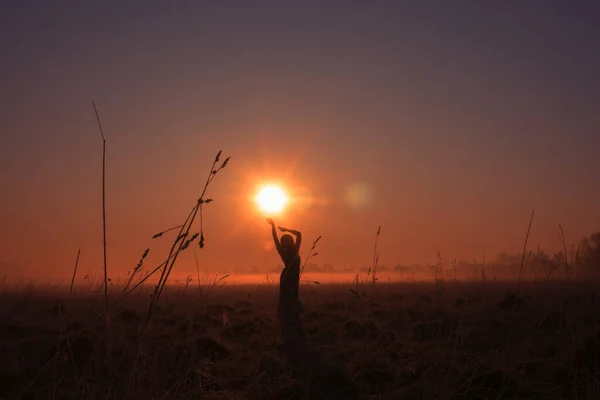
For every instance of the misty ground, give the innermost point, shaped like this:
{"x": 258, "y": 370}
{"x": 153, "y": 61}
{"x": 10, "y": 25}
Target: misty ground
{"x": 393, "y": 341}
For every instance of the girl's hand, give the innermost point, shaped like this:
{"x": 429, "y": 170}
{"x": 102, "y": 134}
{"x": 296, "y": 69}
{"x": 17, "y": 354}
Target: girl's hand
{"x": 270, "y": 222}
{"x": 282, "y": 229}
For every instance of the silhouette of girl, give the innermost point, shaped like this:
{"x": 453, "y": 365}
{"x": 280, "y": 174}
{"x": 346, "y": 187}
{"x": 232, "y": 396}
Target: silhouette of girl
{"x": 288, "y": 310}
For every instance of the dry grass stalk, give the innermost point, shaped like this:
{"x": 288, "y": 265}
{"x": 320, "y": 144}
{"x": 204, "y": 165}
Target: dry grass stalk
{"x": 375, "y": 255}
{"x": 188, "y": 280}
{"x": 179, "y": 244}
{"x": 562, "y": 236}
{"x": 74, "y": 273}
{"x": 159, "y": 234}
{"x": 198, "y": 274}
{"x": 310, "y": 255}
{"x": 107, "y": 318}
{"x": 136, "y": 270}
{"x": 525, "y": 249}
{"x": 166, "y": 265}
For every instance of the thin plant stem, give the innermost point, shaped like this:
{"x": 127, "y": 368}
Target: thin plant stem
{"x": 375, "y": 255}
{"x": 198, "y": 272}
{"x": 525, "y": 249}
{"x": 310, "y": 255}
{"x": 74, "y": 272}
{"x": 136, "y": 270}
{"x": 562, "y": 234}
{"x": 514, "y": 304}
{"x": 65, "y": 322}
{"x": 108, "y": 338}
{"x": 165, "y": 231}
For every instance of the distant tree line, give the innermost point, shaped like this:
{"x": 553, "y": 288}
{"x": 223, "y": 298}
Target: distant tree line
{"x": 581, "y": 261}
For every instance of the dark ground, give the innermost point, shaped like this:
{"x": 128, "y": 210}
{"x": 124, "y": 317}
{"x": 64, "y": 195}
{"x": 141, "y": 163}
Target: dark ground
{"x": 396, "y": 341}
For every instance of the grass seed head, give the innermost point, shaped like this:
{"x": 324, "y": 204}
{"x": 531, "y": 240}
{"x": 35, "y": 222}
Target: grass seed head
{"x": 189, "y": 241}
{"x": 139, "y": 265}
{"x": 225, "y": 163}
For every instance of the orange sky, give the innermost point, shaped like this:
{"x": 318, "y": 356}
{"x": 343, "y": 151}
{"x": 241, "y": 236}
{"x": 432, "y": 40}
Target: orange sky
{"x": 52, "y": 220}
{"x": 445, "y": 126}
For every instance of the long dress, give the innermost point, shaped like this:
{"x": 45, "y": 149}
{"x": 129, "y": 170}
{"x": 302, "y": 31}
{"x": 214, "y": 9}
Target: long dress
{"x": 289, "y": 282}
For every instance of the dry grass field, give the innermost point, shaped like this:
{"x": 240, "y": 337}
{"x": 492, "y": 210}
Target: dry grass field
{"x": 393, "y": 341}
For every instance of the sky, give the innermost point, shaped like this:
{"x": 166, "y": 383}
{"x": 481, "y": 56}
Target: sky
{"x": 446, "y": 123}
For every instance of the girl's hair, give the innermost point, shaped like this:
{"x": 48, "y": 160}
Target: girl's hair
{"x": 287, "y": 241}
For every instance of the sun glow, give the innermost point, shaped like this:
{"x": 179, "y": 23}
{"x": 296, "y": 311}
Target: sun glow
{"x": 271, "y": 199}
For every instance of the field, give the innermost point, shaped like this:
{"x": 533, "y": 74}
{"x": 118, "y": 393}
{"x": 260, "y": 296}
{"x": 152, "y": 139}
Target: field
{"x": 384, "y": 341}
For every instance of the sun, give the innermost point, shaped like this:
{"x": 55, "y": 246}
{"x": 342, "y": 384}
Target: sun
{"x": 271, "y": 199}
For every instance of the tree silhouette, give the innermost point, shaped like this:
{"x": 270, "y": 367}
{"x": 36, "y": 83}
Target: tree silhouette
{"x": 590, "y": 252}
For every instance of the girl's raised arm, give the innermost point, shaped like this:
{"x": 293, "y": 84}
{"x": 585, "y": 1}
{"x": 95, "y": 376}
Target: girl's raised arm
{"x": 275, "y": 238}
